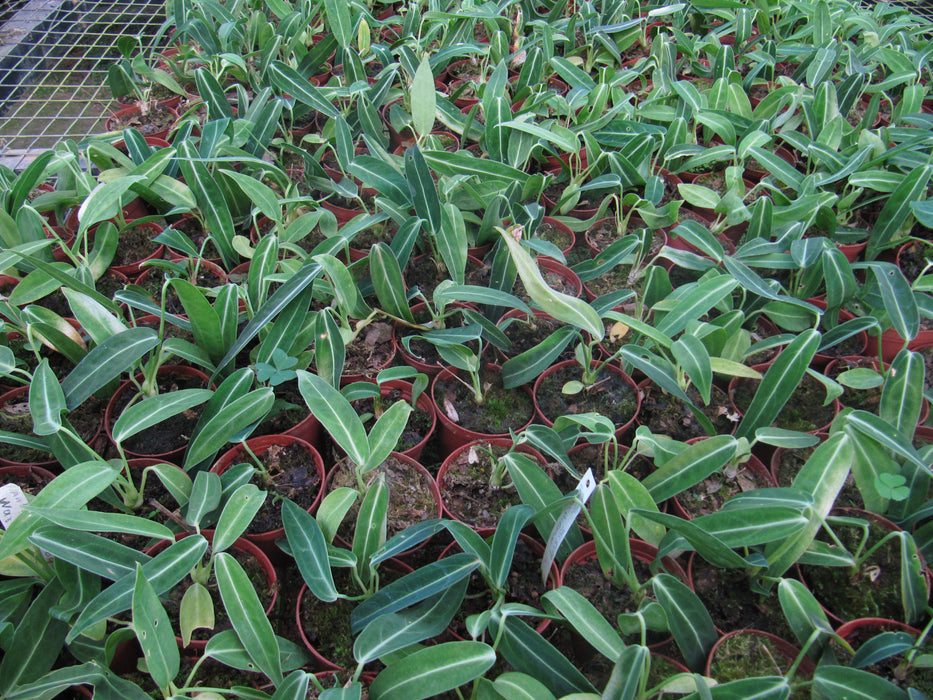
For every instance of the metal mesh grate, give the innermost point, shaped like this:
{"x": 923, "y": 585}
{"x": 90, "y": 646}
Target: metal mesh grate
{"x": 53, "y": 69}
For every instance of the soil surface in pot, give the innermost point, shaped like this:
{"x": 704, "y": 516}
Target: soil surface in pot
{"x": 552, "y": 233}
{"x": 804, "y": 410}
{"x": 710, "y": 494}
{"x": 466, "y": 490}
{"x": 417, "y": 428}
{"x": 604, "y": 234}
{"x": 872, "y": 590}
{"x": 731, "y": 602}
{"x": 290, "y": 473}
{"x": 288, "y": 410}
{"x": 610, "y": 599}
{"x": 170, "y": 434}
{"x": 610, "y": 396}
{"x": 668, "y": 415}
{"x": 912, "y": 259}
{"x": 410, "y": 497}
{"x": 501, "y": 411}
{"x": 135, "y": 244}
{"x": 158, "y": 118}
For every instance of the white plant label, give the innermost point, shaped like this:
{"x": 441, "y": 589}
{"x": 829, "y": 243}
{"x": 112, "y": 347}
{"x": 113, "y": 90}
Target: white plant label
{"x": 12, "y": 500}
{"x": 564, "y": 522}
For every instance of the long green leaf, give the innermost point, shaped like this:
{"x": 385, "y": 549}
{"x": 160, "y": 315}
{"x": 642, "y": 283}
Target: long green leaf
{"x": 154, "y": 632}
{"x": 72, "y": 489}
{"x": 225, "y": 424}
{"x": 528, "y": 652}
{"x": 690, "y": 467}
{"x": 413, "y": 588}
{"x": 395, "y": 631}
{"x": 690, "y": 623}
{"x": 336, "y": 415}
{"x": 310, "y": 551}
{"x": 247, "y": 616}
{"x": 154, "y": 410}
{"x": 433, "y": 670}
{"x": 902, "y": 393}
{"x": 586, "y": 620}
{"x": 164, "y": 571}
{"x": 238, "y": 512}
{"x": 90, "y": 552}
{"x": 105, "y": 362}
{"x": 556, "y": 304}
{"x": 779, "y": 383}
{"x": 46, "y": 400}
{"x": 423, "y": 190}
{"x": 217, "y": 218}
{"x": 897, "y": 208}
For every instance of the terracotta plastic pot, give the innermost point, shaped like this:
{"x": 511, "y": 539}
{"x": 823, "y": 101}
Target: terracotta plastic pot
{"x": 451, "y": 433}
{"x": 612, "y": 369}
{"x": 259, "y": 446}
{"x": 128, "y": 388}
{"x": 143, "y": 127}
{"x": 479, "y": 447}
{"x": 241, "y": 545}
{"x": 641, "y": 551}
{"x": 892, "y": 343}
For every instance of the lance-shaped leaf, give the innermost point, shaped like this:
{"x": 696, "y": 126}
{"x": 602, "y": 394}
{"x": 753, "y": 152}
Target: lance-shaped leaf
{"x": 779, "y": 383}
{"x": 211, "y": 202}
{"x": 528, "y": 652}
{"x": 247, "y": 616}
{"x": 310, "y": 551}
{"x": 432, "y": 671}
{"x": 154, "y": 632}
{"x": 336, "y": 415}
{"x": 423, "y": 190}
{"x": 586, "y": 620}
{"x": 563, "y": 307}
{"x": 165, "y": 570}
{"x": 902, "y": 393}
{"x": 804, "y": 615}
{"x": 690, "y": 467}
{"x": 155, "y": 409}
{"x": 395, "y": 631}
{"x": 46, "y": 400}
{"x": 689, "y": 621}
{"x": 832, "y": 682}
{"x": 388, "y": 282}
{"x": 105, "y": 362}
{"x": 239, "y": 510}
{"x": 89, "y": 552}
{"x": 223, "y": 426}
{"x": 72, "y": 489}
{"x": 413, "y": 588}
